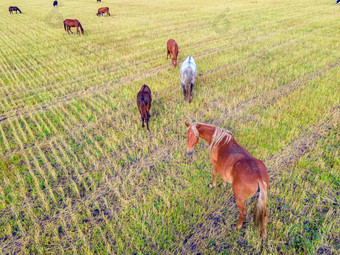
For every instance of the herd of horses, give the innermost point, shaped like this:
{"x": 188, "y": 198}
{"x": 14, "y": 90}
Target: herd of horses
{"x": 230, "y": 160}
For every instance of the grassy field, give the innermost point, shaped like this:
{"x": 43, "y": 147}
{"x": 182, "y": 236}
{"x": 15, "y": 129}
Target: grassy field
{"x": 78, "y": 174}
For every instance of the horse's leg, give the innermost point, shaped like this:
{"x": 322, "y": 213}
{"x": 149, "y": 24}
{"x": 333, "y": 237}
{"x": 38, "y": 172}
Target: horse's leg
{"x": 191, "y": 87}
{"x": 147, "y": 124}
{"x": 143, "y": 122}
{"x": 213, "y": 184}
{"x": 264, "y": 225}
{"x": 242, "y": 210}
{"x": 184, "y": 91}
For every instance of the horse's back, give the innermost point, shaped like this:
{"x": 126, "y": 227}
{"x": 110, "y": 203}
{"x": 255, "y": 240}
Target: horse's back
{"x": 103, "y": 9}
{"x": 189, "y": 63}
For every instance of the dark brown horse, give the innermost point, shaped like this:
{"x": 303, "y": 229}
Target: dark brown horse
{"x": 14, "y": 8}
{"x": 144, "y": 104}
{"x": 172, "y": 49}
{"x": 103, "y": 10}
{"x": 237, "y": 166}
{"x": 68, "y": 23}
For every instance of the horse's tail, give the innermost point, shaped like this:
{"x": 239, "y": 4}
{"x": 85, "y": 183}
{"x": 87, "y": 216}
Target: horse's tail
{"x": 188, "y": 81}
{"x": 19, "y": 10}
{"x": 81, "y": 28}
{"x": 64, "y": 25}
{"x": 260, "y": 209}
{"x": 143, "y": 102}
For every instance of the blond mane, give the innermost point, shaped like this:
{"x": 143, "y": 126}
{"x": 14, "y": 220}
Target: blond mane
{"x": 217, "y": 137}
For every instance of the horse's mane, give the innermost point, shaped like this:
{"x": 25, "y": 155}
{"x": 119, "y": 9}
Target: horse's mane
{"x": 216, "y": 138}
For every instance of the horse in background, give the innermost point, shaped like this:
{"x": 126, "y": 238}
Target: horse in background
{"x": 103, "y": 10}
{"x": 11, "y": 9}
{"x": 144, "y": 104}
{"x": 68, "y": 23}
{"x": 188, "y": 76}
{"x": 172, "y": 49}
{"x": 55, "y": 3}
{"x": 237, "y": 166}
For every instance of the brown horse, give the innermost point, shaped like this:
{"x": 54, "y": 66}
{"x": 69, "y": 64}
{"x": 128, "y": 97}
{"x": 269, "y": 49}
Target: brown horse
{"x": 14, "y": 8}
{"x": 237, "y": 166}
{"x": 144, "y": 104}
{"x": 172, "y": 49}
{"x": 68, "y": 23}
{"x": 103, "y": 10}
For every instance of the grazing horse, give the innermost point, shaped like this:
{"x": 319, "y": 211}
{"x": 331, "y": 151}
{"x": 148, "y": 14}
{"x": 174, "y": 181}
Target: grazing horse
{"x": 188, "y": 76}
{"x": 68, "y": 23}
{"x": 144, "y": 104}
{"x": 237, "y": 166}
{"x": 14, "y": 8}
{"x": 172, "y": 49}
{"x": 55, "y": 3}
{"x": 102, "y": 10}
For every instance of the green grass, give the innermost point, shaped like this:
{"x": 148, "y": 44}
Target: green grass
{"x": 78, "y": 174}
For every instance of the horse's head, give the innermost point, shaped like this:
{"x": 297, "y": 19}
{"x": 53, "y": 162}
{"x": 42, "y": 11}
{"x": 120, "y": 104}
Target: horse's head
{"x": 174, "y": 62}
{"x": 193, "y": 137}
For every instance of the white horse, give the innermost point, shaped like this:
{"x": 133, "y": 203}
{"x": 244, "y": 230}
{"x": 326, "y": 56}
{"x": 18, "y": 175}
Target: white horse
{"x": 188, "y": 76}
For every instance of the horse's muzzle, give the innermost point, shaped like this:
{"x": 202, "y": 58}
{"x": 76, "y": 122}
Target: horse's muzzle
{"x": 189, "y": 153}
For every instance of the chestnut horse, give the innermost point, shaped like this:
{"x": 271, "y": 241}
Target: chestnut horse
{"x": 144, "y": 104}
{"x": 237, "y": 166}
{"x": 172, "y": 49}
{"x": 68, "y": 23}
{"x": 11, "y": 9}
{"x": 188, "y": 76}
{"x": 103, "y": 10}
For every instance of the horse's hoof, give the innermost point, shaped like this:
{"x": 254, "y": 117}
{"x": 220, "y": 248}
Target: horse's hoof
{"x": 211, "y": 186}
{"x": 222, "y": 185}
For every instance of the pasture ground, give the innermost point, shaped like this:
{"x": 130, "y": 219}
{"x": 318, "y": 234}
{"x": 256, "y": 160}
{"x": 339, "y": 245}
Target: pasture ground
{"x": 78, "y": 174}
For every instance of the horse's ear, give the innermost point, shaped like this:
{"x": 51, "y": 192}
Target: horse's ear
{"x": 187, "y": 124}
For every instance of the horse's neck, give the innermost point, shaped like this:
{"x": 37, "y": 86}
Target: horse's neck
{"x": 207, "y": 132}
